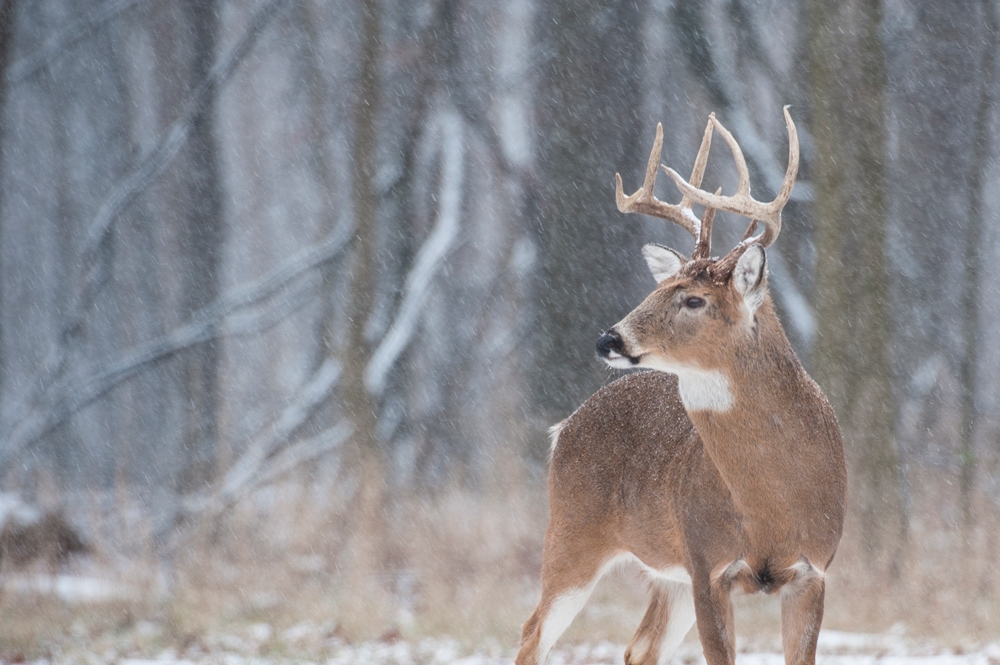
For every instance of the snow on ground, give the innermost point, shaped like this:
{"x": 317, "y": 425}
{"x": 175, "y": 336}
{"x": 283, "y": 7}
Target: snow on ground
{"x": 836, "y": 648}
{"x": 260, "y": 644}
{"x": 71, "y": 589}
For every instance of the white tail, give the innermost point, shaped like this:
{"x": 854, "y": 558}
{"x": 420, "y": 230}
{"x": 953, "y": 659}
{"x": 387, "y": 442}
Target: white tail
{"x": 724, "y": 469}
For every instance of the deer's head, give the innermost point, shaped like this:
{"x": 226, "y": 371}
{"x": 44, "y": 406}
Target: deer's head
{"x": 703, "y": 308}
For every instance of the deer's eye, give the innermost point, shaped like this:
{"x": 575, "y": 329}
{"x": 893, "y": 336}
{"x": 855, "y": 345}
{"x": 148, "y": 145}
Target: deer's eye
{"x": 694, "y": 302}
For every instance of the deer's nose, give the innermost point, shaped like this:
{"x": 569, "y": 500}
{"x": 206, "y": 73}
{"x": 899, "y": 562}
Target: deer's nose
{"x": 610, "y": 342}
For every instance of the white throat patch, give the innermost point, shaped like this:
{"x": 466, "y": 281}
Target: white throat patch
{"x": 701, "y": 390}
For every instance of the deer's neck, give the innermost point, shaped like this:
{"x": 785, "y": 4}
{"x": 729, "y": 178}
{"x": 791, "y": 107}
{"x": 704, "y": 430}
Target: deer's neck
{"x": 769, "y": 431}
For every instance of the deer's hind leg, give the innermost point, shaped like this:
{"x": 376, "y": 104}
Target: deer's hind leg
{"x": 668, "y": 619}
{"x": 569, "y": 575}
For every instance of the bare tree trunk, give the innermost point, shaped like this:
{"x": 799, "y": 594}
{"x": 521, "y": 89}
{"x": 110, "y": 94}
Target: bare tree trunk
{"x": 852, "y": 357}
{"x": 972, "y": 258}
{"x": 6, "y": 37}
{"x": 368, "y": 463}
{"x": 200, "y": 243}
{"x": 308, "y": 19}
{"x": 589, "y": 129}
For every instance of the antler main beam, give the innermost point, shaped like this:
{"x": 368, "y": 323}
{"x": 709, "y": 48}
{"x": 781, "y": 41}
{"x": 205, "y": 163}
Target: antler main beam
{"x": 645, "y": 202}
{"x": 742, "y": 203}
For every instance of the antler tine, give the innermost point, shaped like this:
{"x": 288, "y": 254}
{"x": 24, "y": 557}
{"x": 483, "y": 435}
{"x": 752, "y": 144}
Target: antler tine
{"x": 704, "y": 248}
{"x": 644, "y": 201}
{"x": 743, "y": 186}
{"x": 742, "y": 203}
{"x": 698, "y": 171}
{"x": 626, "y": 203}
{"x": 791, "y": 172}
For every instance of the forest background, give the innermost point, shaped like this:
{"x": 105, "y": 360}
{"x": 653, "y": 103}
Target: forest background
{"x": 290, "y": 290}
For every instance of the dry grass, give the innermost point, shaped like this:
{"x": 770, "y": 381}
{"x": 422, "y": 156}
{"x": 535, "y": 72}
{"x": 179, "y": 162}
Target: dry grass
{"x": 460, "y": 563}
{"x": 944, "y": 580}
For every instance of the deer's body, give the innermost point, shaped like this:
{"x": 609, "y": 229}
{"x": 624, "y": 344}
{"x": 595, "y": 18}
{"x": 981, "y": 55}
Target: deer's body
{"x": 723, "y": 470}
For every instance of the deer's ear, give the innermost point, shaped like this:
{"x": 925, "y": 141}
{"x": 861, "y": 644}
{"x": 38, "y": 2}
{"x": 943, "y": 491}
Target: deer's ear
{"x": 663, "y": 262}
{"x": 750, "y": 277}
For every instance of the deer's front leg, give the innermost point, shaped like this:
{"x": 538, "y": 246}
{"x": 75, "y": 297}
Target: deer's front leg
{"x": 802, "y": 614}
{"x": 713, "y": 609}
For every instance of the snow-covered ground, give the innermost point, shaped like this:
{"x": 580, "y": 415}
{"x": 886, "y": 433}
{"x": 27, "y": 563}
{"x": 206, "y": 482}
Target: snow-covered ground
{"x": 836, "y": 648}
{"x": 261, "y": 644}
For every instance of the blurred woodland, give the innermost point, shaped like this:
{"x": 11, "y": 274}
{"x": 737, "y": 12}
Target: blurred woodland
{"x": 298, "y": 285}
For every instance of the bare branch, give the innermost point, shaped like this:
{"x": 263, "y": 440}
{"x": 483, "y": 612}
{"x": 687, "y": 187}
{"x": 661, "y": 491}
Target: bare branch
{"x": 431, "y": 253}
{"x": 259, "y": 464}
{"x": 298, "y": 454}
{"x": 74, "y": 391}
{"x": 215, "y": 503}
{"x": 125, "y": 191}
{"x": 267, "y": 440}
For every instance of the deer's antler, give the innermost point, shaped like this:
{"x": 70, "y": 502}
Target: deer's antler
{"x": 742, "y": 203}
{"x": 645, "y": 202}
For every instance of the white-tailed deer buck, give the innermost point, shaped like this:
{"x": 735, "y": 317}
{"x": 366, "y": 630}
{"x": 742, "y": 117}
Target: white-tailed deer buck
{"x": 724, "y": 470}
